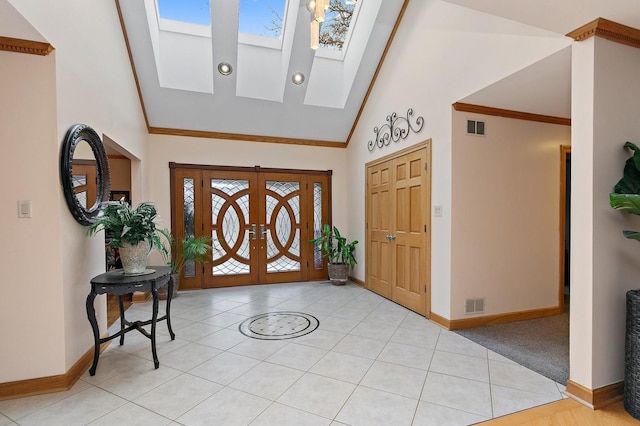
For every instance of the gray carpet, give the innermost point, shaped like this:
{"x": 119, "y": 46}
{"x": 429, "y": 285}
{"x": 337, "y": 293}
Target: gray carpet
{"x": 541, "y": 345}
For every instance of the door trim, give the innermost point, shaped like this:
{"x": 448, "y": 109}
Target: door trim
{"x": 564, "y": 150}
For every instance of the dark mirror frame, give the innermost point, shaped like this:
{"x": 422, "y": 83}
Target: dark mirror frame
{"x": 76, "y": 134}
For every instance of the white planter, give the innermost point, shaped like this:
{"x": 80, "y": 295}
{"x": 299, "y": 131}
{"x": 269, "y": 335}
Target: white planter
{"x": 134, "y": 258}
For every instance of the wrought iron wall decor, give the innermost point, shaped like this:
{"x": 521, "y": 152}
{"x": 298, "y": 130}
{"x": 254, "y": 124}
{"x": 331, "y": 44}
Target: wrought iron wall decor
{"x": 394, "y": 129}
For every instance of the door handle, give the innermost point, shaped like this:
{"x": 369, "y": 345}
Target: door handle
{"x": 391, "y": 237}
{"x": 252, "y": 232}
{"x": 263, "y": 232}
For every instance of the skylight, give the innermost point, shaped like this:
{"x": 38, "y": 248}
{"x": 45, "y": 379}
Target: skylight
{"x": 190, "y": 11}
{"x": 262, "y": 17}
{"x": 337, "y": 21}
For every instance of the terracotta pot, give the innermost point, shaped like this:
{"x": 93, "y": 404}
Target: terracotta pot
{"x": 338, "y": 273}
{"x": 134, "y": 257}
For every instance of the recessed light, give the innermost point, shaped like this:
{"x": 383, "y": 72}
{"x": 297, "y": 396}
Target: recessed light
{"x": 297, "y": 78}
{"x": 225, "y": 68}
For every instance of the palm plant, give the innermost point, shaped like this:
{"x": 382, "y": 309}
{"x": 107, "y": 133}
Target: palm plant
{"x": 180, "y": 252}
{"x": 126, "y": 224}
{"x": 335, "y": 247}
{"x": 626, "y": 195}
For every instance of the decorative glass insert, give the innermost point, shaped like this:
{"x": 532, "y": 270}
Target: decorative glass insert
{"x": 317, "y": 224}
{"x": 190, "y": 11}
{"x": 230, "y": 219}
{"x": 189, "y": 224}
{"x": 283, "y": 226}
{"x": 262, "y": 17}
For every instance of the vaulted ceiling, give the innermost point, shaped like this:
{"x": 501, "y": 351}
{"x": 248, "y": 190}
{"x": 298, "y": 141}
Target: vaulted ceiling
{"x": 176, "y": 65}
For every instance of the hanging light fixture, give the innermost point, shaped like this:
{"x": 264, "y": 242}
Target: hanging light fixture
{"x": 318, "y": 13}
{"x": 315, "y": 34}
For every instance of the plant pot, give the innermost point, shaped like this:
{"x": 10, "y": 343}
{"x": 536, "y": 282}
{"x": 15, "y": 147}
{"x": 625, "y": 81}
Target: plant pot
{"x": 134, "y": 257}
{"x": 163, "y": 291}
{"x": 632, "y": 355}
{"x": 338, "y": 273}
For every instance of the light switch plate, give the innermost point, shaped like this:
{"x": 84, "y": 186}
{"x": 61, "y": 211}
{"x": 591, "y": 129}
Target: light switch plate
{"x": 437, "y": 211}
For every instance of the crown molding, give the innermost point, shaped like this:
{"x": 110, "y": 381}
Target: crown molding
{"x": 242, "y": 137}
{"x": 507, "y": 113}
{"x": 30, "y": 47}
{"x": 607, "y": 29}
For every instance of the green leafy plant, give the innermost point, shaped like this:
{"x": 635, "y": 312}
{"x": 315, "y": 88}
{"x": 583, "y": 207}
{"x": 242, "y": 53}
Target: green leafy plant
{"x": 335, "y": 247}
{"x": 626, "y": 195}
{"x": 177, "y": 253}
{"x": 127, "y": 224}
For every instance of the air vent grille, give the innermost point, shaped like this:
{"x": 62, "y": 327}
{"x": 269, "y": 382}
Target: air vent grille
{"x": 474, "y": 306}
{"x": 475, "y": 127}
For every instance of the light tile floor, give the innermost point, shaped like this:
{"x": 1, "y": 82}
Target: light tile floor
{"x": 370, "y": 362}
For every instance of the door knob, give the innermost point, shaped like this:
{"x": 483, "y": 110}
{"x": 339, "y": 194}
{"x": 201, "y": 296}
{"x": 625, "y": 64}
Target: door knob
{"x": 252, "y": 231}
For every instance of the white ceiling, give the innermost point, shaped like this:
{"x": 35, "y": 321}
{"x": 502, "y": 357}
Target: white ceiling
{"x": 182, "y": 89}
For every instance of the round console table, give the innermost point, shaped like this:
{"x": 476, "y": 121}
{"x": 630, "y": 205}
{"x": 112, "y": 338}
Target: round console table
{"x": 116, "y": 282}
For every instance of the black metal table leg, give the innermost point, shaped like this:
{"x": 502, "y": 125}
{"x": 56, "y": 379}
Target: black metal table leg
{"x": 154, "y": 318}
{"x": 168, "y": 312}
{"x": 91, "y": 314}
{"x": 121, "y": 306}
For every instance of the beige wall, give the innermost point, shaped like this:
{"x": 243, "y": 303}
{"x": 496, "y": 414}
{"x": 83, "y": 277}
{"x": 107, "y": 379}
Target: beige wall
{"x": 441, "y": 53}
{"x": 604, "y": 265}
{"x": 31, "y": 305}
{"x": 87, "y": 80}
{"x": 505, "y": 214}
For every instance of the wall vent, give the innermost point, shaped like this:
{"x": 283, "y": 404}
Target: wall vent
{"x": 475, "y": 127}
{"x": 474, "y": 306}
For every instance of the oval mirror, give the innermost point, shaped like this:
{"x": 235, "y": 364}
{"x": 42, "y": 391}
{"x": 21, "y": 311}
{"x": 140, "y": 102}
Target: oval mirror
{"x": 84, "y": 171}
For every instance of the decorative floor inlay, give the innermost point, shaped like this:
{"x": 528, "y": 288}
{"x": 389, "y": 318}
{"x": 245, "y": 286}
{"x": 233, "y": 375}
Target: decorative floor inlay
{"x": 278, "y": 325}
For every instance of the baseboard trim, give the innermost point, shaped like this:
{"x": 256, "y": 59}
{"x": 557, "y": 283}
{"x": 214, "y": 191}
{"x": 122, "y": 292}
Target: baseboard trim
{"x": 357, "y": 281}
{"x": 140, "y": 296}
{"x": 460, "y": 324}
{"x": 596, "y": 398}
{"x": 441, "y": 321}
{"x": 50, "y": 384}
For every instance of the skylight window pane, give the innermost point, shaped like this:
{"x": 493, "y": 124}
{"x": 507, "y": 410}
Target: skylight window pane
{"x": 335, "y": 27}
{"x": 262, "y": 17}
{"x": 191, "y": 11}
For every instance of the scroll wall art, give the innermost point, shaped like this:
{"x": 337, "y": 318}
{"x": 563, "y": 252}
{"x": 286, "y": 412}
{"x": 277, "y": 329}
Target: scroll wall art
{"x": 394, "y": 129}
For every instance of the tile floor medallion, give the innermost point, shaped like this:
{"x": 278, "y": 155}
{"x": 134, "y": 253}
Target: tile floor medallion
{"x": 278, "y": 325}
{"x": 289, "y": 354}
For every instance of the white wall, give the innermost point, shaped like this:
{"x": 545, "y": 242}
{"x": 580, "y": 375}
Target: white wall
{"x": 605, "y": 109}
{"x": 93, "y": 83}
{"x": 440, "y": 54}
{"x": 164, "y": 149}
{"x": 505, "y": 214}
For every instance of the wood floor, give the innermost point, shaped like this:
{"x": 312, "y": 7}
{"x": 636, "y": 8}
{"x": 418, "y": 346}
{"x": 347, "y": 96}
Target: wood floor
{"x": 567, "y": 412}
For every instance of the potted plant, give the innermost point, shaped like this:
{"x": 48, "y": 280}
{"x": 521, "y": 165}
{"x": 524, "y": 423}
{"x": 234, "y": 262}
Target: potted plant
{"x": 339, "y": 252}
{"x": 132, "y": 231}
{"x": 626, "y": 197}
{"x": 177, "y": 253}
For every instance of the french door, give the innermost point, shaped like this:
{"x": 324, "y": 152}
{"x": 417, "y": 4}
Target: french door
{"x": 260, "y": 222}
{"x": 398, "y": 234}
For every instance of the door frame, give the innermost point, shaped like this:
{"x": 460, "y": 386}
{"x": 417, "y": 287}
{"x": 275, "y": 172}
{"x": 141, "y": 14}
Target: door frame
{"x": 175, "y": 199}
{"x": 564, "y": 150}
{"x": 426, "y": 144}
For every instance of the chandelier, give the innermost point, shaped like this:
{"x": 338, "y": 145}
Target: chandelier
{"x": 317, "y": 8}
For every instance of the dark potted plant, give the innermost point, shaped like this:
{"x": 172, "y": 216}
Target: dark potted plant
{"x": 132, "y": 231}
{"x": 177, "y": 253}
{"x": 626, "y": 197}
{"x": 339, "y": 252}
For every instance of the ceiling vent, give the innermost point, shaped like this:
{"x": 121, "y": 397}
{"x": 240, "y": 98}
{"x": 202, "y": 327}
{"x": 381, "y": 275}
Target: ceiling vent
{"x": 475, "y": 127}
